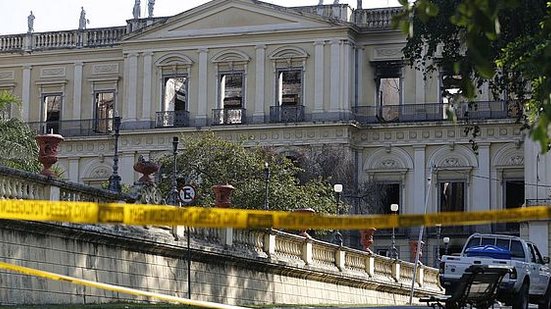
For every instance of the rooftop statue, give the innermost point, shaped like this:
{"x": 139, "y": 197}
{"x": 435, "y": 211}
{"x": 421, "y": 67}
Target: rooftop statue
{"x": 82, "y": 20}
{"x": 150, "y": 6}
{"x": 136, "y": 10}
{"x": 30, "y": 22}
{"x": 320, "y": 2}
{"x": 359, "y": 5}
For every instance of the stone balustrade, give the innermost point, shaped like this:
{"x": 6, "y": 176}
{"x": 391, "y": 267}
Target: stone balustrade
{"x": 16, "y": 184}
{"x": 266, "y": 251}
{"x": 368, "y": 19}
{"x": 95, "y": 37}
{"x": 376, "y": 19}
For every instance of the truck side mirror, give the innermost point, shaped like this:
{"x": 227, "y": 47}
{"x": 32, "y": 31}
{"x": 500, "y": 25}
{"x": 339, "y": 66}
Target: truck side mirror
{"x": 546, "y": 260}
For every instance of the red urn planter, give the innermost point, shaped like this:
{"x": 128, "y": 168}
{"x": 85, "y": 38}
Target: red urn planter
{"x": 146, "y": 168}
{"x": 47, "y": 154}
{"x": 367, "y": 238}
{"x": 222, "y": 195}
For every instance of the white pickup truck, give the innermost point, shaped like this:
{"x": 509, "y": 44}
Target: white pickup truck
{"x": 528, "y": 283}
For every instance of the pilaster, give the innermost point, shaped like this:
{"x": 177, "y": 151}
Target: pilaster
{"x": 202, "y": 96}
{"x": 26, "y": 93}
{"x": 74, "y": 172}
{"x": 77, "y": 90}
{"x": 147, "y": 103}
{"x": 419, "y": 181}
{"x": 335, "y": 89}
{"x": 259, "y": 104}
{"x": 319, "y": 76}
{"x": 131, "y": 87}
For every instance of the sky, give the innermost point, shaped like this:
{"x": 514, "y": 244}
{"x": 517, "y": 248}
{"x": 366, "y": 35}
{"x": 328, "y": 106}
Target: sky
{"x": 64, "y": 14}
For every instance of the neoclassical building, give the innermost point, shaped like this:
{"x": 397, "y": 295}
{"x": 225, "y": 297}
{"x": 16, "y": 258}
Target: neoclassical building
{"x": 287, "y": 77}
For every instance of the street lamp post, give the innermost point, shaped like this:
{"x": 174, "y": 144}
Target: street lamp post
{"x": 115, "y": 179}
{"x": 446, "y": 243}
{"x": 394, "y": 251}
{"x": 438, "y": 235}
{"x": 267, "y": 181}
{"x": 174, "y": 197}
{"x": 338, "y": 190}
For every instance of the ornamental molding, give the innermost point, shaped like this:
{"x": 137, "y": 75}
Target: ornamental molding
{"x": 387, "y": 53}
{"x": 112, "y": 68}
{"x": 52, "y": 72}
{"x": 7, "y": 75}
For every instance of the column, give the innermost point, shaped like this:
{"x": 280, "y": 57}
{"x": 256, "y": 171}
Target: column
{"x": 77, "y": 90}
{"x": 259, "y": 104}
{"x": 74, "y": 172}
{"x": 26, "y": 93}
{"x": 335, "y": 90}
{"x": 319, "y": 76}
{"x": 202, "y": 88}
{"x": 131, "y": 87}
{"x": 146, "y": 93}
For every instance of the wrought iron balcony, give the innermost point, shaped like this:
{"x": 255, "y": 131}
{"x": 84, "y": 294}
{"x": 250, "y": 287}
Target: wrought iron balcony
{"x": 287, "y": 113}
{"x": 228, "y": 116}
{"x": 437, "y": 111}
{"x": 86, "y": 127}
{"x": 172, "y": 119}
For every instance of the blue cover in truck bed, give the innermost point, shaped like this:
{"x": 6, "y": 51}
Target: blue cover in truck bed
{"x": 489, "y": 251}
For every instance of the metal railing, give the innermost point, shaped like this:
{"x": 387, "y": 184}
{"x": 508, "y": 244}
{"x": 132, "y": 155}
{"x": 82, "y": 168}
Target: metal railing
{"x": 83, "y": 127}
{"x": 287, "y": 113}
{"x": 437, "y": 111}
{"x": 172, "y": 119}
{"x": 229, "y": 116}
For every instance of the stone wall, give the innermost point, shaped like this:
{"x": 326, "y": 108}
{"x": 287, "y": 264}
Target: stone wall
{"x": 241, "y": 269}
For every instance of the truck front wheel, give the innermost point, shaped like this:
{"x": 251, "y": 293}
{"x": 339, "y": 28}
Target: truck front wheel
{"x": 520, "y": 299}
{"x": 545, "y": 302}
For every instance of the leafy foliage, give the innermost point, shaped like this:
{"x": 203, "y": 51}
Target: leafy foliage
{"x": 504, "y": 42}
{"x": 206, "y": 160}
{"x": 18, "y": 148}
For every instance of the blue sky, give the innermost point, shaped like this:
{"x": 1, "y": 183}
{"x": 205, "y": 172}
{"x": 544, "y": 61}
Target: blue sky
{"x": 64, "y": 14}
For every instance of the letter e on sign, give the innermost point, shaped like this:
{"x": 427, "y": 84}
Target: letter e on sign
{"x": 187, "y": 194}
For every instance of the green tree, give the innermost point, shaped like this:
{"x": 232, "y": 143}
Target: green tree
{"x": 504, "y": 42}
{"x": 206, "y": 160}
{"x": 18, "y": 148}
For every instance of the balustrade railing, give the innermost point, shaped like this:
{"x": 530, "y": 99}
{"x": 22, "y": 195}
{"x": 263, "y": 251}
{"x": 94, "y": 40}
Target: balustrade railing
{"x": 437, "y": 111}
{"x": 278, "y": 246}
{"x": 16, "y": 184}
{"x": 172, "y": 119}
{"x": 376, "y": 19}
{"x": 94, "y": 37}
{"x": 287, "y": 113}
{"x": 228, "y": 116}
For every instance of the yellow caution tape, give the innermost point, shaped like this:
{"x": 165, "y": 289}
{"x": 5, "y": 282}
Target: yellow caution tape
{"x": 136, "y": 214}
{"x": 114, "y": 288}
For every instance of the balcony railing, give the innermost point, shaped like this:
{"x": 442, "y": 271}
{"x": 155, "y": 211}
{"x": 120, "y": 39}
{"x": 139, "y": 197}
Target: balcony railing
{"x": 228, "y": 116}
{"x": 437, "y": 111}
{"x": 172, "y": 119}
{"x": 83, "y": 127}
{"x": 287, "y": 113}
